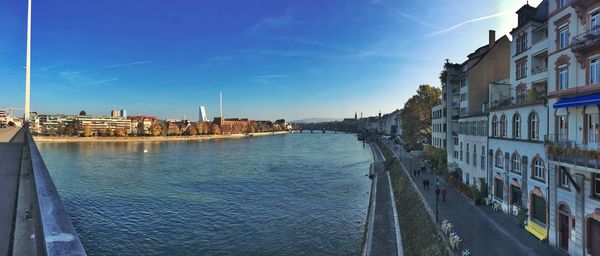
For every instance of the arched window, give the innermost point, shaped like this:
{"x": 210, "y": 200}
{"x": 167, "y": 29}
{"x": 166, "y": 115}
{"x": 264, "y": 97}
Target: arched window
{"x": 499, "y": 159}
{"x": 494, "y": 126}
{"x": 534, "y": 126}
{"x": 516, "y": 126}
{"x": 515, "y": 161}
{"x": 503, "y": 126}
{"x": 468, "y": 156}
{"x": 538, "y": 170}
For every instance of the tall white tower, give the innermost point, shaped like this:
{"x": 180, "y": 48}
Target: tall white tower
{"x": 28, "y": 62}
{"x": 202, "y": 114}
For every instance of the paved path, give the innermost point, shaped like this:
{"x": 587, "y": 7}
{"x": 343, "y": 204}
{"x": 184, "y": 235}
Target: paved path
{"x": 10, "y": 166}
{"x": 384, "y": 237}
{"x": 482, "y": 230}
{"x": 8, "y": 133}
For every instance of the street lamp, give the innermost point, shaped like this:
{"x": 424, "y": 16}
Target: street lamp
{"x": 28, "y": 63}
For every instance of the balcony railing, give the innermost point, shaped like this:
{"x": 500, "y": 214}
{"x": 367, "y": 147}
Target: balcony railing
{"x": 538, "y": 70}
{"x": 586, "y": 39}
{"x": 514, "y": 97}
{"x": 560, "y": 149}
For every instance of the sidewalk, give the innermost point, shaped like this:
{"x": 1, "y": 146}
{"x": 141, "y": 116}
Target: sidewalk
{"x": 482, "y": 230}
{"x": 383, "y": 237}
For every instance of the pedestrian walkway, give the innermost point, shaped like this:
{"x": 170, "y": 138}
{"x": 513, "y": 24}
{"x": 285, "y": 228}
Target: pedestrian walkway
{"x": 384, "y": 232}
{"x": 483, "y": 231}
{"x": 10, "y": 166}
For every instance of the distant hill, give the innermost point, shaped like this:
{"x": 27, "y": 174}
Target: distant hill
{"x": 314, "y": 120}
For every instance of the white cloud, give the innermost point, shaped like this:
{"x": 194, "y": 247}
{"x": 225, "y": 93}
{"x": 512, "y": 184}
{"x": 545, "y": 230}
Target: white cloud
{"x": 466, "y": 22}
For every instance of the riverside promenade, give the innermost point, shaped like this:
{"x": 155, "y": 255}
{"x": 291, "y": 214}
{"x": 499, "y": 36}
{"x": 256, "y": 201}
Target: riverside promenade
{"x": 483, "y": 231}
{"x": 383, "y": 232}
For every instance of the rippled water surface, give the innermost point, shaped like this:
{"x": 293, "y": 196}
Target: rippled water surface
{"x": 295, "y": 194}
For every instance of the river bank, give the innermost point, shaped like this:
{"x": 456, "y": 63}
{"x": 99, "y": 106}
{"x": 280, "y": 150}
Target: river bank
{"x": 152, "y": 139}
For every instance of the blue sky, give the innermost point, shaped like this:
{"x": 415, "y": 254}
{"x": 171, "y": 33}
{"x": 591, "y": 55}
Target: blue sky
{"x": 271, "y": 59}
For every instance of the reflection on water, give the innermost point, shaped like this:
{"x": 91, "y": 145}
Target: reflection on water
{"x": 297, "y": 194}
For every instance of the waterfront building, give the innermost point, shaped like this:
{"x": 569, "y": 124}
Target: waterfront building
{"x": 518, "y": 119}
{"x": 202, "y": 114}
{"x": 438, "y": 126}
{"x": 573, "y": 140}
{"x": 51, "y": 124}
{"x": 101, "y": 125}
{"x": 141, "y": 124}
{"x": 392, "y": 123}
{"x": 3, "y": 118}
{"x": 123, "y": 113}
{"x": 466, "y": 118}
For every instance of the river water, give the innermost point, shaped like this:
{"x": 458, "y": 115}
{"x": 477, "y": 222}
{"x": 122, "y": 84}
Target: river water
{"x": 295, "y": 194}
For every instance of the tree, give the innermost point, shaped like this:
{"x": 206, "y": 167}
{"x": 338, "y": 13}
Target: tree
{"x": 87, "y": 131}
{"x": 191, "y": 130}
{"x": 416, "y": 117}
{"x": 70, "y": 130}
{"x": 140, "y": 129}
{"x": 156, "y": 129}
{"x": 120, "y": 132}
{"x": 215, "y": 129}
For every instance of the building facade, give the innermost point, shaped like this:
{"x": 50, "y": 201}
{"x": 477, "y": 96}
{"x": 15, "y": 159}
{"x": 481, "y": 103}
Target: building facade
{"x": 518, "y": 120}
{"x": 573, "y": 137}
{"x": 438, "y": 126}
{"x": 472, "y": 133}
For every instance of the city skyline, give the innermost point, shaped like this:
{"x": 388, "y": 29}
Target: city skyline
{"x": 274, "y": 59}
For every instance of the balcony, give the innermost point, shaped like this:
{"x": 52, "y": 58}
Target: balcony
{"x": 518, "y": 96}
{"x": 560, "y": 149}
{"x": 586, "y": 41}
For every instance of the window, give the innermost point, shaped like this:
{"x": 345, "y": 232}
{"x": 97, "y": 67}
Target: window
{"x": 563, "y": 180}
{"x": 538, "y": 209}
{"x": 482, "y": 164}
{"x": 521, "y": 69}
{"x": 499, "y": 159}
{"x": 468, "y": 156}
{"x": 563, "y": 34}
{"x": 474, "y": 155}
{"x": 494, "y": 126}
{"x": 517, "y": 126}
{"x": 463, "y": 96}
{"x": 562, "y": 128}
{"x": 596, "y": 186}
{"x": 595, "y": 71}
{"x": 562, "y": 3}
{"x": 538, "y": 169}
{"x": 515, "y": 163}
{"x": 463, "y": 83}
{"x": 592, "y": 134}
{"x": 498, "y": 189}
{"x": 461, "y": 151}
{"x": 503, "y": 126}
{"x": 515, "y": 196}
{"x": 563, "y": 78}
{"x": 521, "y": 43}
{"x": 534, "y": 126}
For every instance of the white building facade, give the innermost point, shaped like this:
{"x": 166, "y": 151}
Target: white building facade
{"x": 472, "y": 143}
{"x": 438, "y": 126}
{"x": 573, "y": 137}
{"x": 518, "y": 119}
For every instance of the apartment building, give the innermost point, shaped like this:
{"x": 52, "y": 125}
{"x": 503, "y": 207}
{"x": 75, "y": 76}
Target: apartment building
{"x": 466, "y": 117}
{"x": 438, "y": 126}
{"x": 518, "y": 119}
{"x": 572, "y": 140}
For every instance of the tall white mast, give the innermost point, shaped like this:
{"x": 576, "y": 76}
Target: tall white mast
{"x": 220, "y": 102}
{"x": 28, "y": 62}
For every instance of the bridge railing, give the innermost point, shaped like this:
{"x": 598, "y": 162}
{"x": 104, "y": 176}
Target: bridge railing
{"x": 54, "y": 231}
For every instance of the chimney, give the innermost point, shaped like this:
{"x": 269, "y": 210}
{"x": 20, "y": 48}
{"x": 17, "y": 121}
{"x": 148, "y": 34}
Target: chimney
{"x": 492, "y": 34}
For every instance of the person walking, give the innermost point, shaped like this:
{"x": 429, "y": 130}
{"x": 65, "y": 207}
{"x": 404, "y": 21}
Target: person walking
{"x": 414, "y": 173}
{"x": 444, "y": 194}
{"x": 424, "y": 184}
{"x": 427, "y": 184}
{"x": 437, "y": 182}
